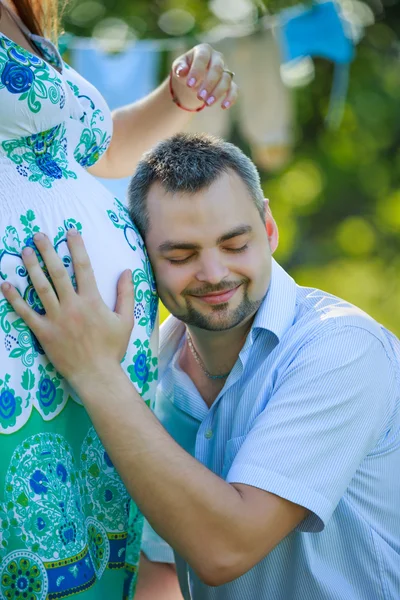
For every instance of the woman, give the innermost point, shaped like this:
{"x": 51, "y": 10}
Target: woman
{"x": 63, "y": 510}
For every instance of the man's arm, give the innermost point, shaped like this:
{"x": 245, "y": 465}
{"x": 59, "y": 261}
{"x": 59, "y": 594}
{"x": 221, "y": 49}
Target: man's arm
{"x": 222, "y": 530}
{"x": 157, "y": 581}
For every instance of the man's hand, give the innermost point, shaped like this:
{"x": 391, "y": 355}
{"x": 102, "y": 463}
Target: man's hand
{"x": 79, "y": 333}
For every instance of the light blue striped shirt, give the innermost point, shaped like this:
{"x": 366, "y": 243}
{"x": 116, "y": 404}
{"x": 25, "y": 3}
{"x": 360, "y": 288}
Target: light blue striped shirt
{"x": 310, "y": 412}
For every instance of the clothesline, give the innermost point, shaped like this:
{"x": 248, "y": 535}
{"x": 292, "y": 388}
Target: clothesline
{"x": 70, "y": 41}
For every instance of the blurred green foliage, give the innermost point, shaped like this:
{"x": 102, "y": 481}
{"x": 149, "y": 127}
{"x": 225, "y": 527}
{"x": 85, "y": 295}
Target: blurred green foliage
{"x": 337, "y": 203}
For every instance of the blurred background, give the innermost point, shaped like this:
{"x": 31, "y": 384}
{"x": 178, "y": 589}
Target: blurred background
{"x": 319, "y": 114}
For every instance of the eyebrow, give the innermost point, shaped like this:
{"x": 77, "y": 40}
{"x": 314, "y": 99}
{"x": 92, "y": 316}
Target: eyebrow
{"x": 241, "y": 230}
{"x": 169, "y": 245}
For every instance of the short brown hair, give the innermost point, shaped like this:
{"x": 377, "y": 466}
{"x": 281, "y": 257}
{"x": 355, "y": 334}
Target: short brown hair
{"x": 189, "y": 163}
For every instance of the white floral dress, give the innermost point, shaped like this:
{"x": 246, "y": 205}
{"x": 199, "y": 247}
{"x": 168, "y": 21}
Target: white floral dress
{"x": 64, "y": 511}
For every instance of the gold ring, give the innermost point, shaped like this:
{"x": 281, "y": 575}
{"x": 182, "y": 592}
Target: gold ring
{"x": 231, "y": 73}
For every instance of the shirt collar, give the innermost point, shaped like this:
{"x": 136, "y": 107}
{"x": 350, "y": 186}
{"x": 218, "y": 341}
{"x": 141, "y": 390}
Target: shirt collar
{"x": 276, "y": 314}
{"x": 277, "y": 311}
{"x": 171, "y": 332}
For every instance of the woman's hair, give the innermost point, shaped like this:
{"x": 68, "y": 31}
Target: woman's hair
{"x": 40, "y": 16}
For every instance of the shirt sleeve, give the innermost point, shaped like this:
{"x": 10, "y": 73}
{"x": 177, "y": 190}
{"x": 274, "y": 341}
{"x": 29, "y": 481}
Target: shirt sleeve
{"x": 326, "y": 414}
{"x": 154, "y": 547}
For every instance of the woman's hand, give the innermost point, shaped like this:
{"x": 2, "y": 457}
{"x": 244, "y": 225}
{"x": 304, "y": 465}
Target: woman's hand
{"x": 201, "y": 76}
{"x": 79, "y": 333}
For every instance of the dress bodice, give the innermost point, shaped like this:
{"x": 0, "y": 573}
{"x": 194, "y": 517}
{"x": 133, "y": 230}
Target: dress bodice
{"x": 48, "y": 109}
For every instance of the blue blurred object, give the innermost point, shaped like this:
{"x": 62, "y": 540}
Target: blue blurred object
{"x": 319, "y": 31}
{"x": 121, "y": 78}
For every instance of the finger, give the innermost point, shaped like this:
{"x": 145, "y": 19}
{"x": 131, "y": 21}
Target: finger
{"x": 181, "y": 66}
{"x": 231, "y": 96}
{"x": 85, "y": 279}
{"x": 34, "y": 321}
{"x": 220, "y": 90}
{"x": 42, "y": 285}
{"x": 125, "y": 303}
{"x": 214, "y": 77}
{"x": 56, "y": 269}
{"x": 198, "y": 69}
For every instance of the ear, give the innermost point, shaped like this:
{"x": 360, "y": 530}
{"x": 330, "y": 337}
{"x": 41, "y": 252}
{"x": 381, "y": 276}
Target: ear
{"x": 271, "y": 227}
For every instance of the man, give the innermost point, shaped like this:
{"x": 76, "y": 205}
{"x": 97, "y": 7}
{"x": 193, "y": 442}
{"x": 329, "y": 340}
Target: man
{"x": 284, "y": 400}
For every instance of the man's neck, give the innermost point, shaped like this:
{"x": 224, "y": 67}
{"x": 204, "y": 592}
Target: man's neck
{"x": 219, "y": 350}
{"x": 214, "y": 353}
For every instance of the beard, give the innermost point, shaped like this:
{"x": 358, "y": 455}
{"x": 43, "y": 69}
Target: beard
{"x": 221, "y": 317}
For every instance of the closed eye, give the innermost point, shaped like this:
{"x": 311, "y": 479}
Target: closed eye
{"x": 179, "y": 261}
{"x": 182, "y": 261}
{"x": 237, "y": 250}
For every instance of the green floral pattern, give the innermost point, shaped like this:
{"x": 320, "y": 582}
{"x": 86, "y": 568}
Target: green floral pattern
{"x": 6, "y": 522}
{"x": 28, "y": 77}
{"x": 50, "y": 393}
{"x": 99, "y": 546}
{"x": 146, "y": 299}
{"x": 10, "y": 404}
{"x": 23, "y": 577}
{"x": 144, "y": 369}
{"x": 105, "y": 496}
{"x": 135, "y": 529}
{"x": 68, "y": 517}
{"x": 42, "y": 488}
{"x": 39, "y": 385}
{"x": 41, "y": 157}
{"x": 95, "y": 138}
{"x": 26, "y": 348}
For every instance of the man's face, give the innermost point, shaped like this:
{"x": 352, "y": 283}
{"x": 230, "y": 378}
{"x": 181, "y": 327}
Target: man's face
{"x": 210, "y": 253}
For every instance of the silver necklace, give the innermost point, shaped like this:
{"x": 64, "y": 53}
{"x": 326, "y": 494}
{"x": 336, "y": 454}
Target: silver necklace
{"x": 200, "y": 362}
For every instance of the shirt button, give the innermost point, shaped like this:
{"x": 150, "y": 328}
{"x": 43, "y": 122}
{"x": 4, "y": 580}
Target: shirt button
{"x": 208, "y": 434}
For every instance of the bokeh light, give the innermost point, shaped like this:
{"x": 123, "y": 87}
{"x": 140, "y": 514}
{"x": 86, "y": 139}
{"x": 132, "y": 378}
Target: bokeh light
{"x": 356, "y": 236}
{"x": 232, "y": 11}
{"x": 176, "y": 22}
{"x": 113, "y": 34}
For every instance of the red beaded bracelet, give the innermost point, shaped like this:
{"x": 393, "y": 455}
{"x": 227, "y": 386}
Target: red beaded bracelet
{"x": 175, "y": 99}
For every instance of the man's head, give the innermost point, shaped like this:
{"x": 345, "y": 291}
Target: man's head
{"x": 199, "y": 206}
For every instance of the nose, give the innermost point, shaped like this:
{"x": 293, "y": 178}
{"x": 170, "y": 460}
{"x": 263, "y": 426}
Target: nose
{"x": 212, "y": 268}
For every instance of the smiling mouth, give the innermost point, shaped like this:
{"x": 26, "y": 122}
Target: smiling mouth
{"x": 220, "y": 297}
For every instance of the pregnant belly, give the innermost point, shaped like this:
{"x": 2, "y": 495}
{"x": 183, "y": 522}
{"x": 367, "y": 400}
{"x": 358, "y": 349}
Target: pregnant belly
{"x": 113, "y": 245}
{"x": 111, "y": 238}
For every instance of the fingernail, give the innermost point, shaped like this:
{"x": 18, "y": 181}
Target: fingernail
{"x": 72, "y": 231}
{"x": 38, "y": 237}
{"x": 179, "y": 69}
{"x": 5, "y": 286}
{"x": 192, "y": 82}
{"x": 203, "y": 94}
{"x": 227, "y": 104}
{"x": 27, "y": 251}
{"x": 210, "y": 100}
